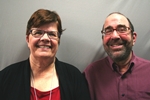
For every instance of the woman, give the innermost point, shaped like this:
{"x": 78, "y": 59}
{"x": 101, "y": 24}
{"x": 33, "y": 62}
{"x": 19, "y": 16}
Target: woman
{"x": 43, "y": 76}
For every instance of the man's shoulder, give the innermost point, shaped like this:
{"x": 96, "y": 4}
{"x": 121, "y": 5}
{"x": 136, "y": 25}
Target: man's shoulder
{"x": 138, "y": 59}
{"x": 98, "y": 64}
{"x": 101, "y": 61}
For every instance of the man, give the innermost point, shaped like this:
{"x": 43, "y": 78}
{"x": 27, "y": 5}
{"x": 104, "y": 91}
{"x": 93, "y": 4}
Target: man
{"x": 121, "y": 75}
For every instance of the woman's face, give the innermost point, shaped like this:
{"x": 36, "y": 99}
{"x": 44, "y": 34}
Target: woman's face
{"x": 43, "y": 47}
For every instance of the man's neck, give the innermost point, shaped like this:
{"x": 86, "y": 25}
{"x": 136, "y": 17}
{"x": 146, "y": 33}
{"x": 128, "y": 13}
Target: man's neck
{"x": 124, "y": 65}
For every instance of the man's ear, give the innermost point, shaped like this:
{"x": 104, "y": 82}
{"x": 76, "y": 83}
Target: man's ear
{"x": 134, "y": 37}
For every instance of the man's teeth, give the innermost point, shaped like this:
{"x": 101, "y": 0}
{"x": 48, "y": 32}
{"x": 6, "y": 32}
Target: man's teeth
{"x": 114, "y": 45}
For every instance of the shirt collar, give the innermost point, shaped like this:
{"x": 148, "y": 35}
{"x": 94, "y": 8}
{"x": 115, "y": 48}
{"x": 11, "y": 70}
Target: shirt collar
{"x": 132, "y": 63}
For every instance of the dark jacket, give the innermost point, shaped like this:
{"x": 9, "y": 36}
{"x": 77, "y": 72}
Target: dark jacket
{"x": 15, "y": 82}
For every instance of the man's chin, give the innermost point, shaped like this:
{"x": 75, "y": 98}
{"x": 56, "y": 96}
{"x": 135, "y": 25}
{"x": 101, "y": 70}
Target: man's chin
{"x": 116, "y": 54}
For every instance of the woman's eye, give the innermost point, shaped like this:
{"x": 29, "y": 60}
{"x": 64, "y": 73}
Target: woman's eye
{"x": 38, "y": 32}
{"x": 51, "y": 33}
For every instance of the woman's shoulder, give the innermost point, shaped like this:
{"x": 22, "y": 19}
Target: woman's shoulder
{"x": 65, "y": 64}
{"x": 14, "y": 67}
{"x": 67, "y": 67}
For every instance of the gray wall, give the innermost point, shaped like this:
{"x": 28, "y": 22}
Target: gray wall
{"x": 81, "y": 43}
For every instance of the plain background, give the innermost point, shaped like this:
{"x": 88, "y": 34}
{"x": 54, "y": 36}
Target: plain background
{"x": 81, "y": 43}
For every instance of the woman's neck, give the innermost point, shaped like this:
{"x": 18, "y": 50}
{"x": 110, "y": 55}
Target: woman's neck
{"x": 40, "y": 65}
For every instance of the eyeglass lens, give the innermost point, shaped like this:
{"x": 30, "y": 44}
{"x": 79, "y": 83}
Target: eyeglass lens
{"x": 39, "y": 33}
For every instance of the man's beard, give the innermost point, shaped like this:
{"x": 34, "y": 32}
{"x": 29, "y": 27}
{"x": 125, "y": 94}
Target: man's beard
{"x": 123, "y": 54}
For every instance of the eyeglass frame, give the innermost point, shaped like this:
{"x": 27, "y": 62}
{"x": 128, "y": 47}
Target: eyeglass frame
{"x": 43, "y": 32}
{"x": 116, "y": 29}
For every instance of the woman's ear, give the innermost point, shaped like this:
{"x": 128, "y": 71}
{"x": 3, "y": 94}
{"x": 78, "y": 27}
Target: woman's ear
{"x": 27, "y": 38}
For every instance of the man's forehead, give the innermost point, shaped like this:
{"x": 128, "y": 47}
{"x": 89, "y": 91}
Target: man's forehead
{"x": 116, "y": 18}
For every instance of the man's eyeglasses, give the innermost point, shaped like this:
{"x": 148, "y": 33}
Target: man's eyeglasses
{"x": 37, "y": 33}
{"x": 121, "y": 29}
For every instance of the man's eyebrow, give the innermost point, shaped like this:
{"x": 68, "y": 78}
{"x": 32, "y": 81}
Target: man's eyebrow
{"x": 121, "y": 25}
{"x": 108, "y": 27}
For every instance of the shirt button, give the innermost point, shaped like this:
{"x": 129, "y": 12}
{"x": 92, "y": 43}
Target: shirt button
{"x": 123, "y": 95}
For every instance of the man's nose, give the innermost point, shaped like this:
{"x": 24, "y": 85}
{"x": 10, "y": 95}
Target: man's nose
{"x": 115, "y": 34}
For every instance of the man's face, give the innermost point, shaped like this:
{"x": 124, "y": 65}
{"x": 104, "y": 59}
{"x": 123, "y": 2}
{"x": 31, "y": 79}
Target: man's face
{"x": 118, "y": 45}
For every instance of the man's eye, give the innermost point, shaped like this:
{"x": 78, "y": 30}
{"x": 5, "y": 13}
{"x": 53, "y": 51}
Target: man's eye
{"x": 108, "y": 30}
{"x": 122, "y": 29}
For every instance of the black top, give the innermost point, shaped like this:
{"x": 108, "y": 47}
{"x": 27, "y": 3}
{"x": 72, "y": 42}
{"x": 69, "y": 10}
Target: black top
{"x": 15, "y": 82}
